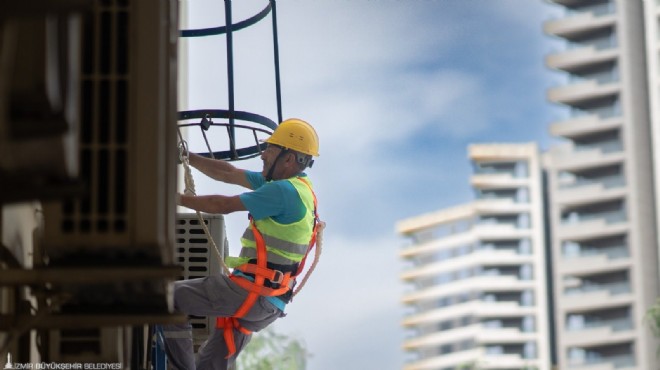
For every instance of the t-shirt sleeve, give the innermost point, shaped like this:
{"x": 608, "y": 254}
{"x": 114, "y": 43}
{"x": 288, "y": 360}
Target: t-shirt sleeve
{"x": 265, "y": 201}
{"x": 255, "y": 179}
{"x": 276, "y": 199}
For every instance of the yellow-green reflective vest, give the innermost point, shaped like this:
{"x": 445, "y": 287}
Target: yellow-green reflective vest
{"x": 286, "y": 243}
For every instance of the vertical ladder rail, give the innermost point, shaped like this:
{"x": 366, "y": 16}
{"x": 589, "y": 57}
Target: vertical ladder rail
{"x": 230, "y": 78}
{"x": 276, "y": 52}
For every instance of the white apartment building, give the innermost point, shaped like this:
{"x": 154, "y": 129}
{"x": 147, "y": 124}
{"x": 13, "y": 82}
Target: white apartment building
{"x": 652, "y": 17}
{"x": 478, "y": 288}
{"x": 601, "y": 185}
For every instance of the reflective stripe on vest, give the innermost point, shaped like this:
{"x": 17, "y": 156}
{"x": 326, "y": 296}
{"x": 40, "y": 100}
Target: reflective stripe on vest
{"x": 286, "y": 244}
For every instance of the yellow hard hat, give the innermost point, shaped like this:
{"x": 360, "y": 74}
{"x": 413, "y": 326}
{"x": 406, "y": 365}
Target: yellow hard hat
{"x": 296, "y": 134}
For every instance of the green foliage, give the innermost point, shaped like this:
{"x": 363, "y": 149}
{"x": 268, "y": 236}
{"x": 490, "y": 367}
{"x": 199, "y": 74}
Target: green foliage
{"x": 653, "y": 319}
{"x": 269, "y": 350}
{"x": 472, "y": 365}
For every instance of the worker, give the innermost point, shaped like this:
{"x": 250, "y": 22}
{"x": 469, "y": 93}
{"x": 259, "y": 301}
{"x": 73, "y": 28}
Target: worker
{"x": 283, "y": 218}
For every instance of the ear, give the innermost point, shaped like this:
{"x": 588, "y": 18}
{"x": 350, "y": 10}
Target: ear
{"x": 291, "y": 159}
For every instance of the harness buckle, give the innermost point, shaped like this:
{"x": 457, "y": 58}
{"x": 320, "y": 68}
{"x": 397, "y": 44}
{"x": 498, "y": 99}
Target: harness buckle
{"x": 278, "y": 277}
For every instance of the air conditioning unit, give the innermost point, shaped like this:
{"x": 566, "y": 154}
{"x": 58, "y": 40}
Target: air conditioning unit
{"x": 127, "y": 139}
{"x": 39, "y": 98}
{"x": 197, "y": 256}
{"x": 127, "y": 156}
{"x": 94, "y": 345}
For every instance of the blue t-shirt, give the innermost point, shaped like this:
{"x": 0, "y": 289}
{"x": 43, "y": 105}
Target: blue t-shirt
{"x": 277, "y": 199}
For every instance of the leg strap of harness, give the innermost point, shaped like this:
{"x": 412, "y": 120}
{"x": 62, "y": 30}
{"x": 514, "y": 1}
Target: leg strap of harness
{"x": 228, "y": 324}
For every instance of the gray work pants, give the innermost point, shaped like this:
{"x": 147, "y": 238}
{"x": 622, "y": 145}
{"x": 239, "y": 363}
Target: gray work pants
{"x": 215, "y": 296}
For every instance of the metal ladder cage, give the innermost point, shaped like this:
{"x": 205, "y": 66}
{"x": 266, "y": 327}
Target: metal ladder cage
{"x": 253, "y": 122}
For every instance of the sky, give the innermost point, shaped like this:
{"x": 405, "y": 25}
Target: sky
{"x": 397, "y": 90}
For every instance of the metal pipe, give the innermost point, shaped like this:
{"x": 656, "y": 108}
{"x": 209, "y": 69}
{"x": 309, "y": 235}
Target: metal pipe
{"x": 276, "y": 52}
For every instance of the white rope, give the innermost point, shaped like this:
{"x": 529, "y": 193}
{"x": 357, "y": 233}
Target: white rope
{"x": 190, "y": 190}
{"x": 317, "y": 256}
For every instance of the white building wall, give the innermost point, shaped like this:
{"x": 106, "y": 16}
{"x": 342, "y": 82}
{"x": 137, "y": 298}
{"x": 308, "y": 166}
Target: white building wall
{"x": 601, "y": 184}
{"x": 478, "y": 270}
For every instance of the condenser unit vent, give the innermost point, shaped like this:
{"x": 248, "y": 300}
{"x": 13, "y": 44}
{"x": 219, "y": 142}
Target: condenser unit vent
{"x": 198, "y": 258}
{"x": 85, "y": 345}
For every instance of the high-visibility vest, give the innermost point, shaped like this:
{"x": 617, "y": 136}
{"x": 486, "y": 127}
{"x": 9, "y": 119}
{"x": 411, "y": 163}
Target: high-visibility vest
{"x": 276, "y": 243}
{"x": 286, "y": 244}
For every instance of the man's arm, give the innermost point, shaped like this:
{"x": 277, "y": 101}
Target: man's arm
{"x": 219, "y": 170}
{"x": 211, "y": 203}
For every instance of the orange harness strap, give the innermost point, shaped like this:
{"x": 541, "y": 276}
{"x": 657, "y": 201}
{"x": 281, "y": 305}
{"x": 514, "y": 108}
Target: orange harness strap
{"x": 228, "y": 324}
{"x": 312, "y": 242}
{"x": 256, "y": 289}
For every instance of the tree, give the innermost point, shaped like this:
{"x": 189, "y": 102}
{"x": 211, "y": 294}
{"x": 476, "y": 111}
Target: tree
{"x": 653, "y": 319}
{"x": 269, "y": 350}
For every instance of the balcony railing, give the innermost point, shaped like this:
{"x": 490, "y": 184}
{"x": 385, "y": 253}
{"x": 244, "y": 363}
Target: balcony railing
{"x": 611, "y": 146}
{"x": 613, "y": 288}
{"x": 607, "y": 182}
{"x": 616, "y": 325}
{"x": 620, "y": 361}
{"x": 610, "y": 252}
{"x": 607, "y": 217}
{"x": 601, "y": 9}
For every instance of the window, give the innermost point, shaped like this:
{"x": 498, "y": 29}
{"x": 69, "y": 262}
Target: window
{"x": 528, "y": 324}
{"x": 527, "y": 298}
{"x": 529, "y": 351}
{"x": 525, "y": 247}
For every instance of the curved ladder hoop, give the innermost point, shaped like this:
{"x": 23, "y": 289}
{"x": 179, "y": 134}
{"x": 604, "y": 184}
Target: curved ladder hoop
{"x": 235, "y": 154}
{"x": 212, "y": 31}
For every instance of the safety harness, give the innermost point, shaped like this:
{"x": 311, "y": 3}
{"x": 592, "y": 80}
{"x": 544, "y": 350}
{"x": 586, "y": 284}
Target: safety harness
{"x": 261, "y": 273}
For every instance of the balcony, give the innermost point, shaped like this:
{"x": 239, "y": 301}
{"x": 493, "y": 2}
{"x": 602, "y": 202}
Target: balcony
{"x": 500, "y": 206}
{"x": 623, "y": 362}
{"x": 442, "y": 313}
{"x": 584, "y": 125}
{"x": 575, "y": 58}
{"x": 497, "y": 181}
{"x": 441, "y": 338}
{"x": 582, "y": 91}
{"x": 578, "y": 23}
{"x": 600, "y": 333}
{"x": 618, "y": 356}
{"x": 582, "y": 298}
{"x": 467, "y": 262}
{"x": 579, "y": 224}
{"x": 507, "y": 361}
{"x": 607, "y": 177}
{"x": 589, "y": 193}
{"x": 606, "y": 247}
{"x": 504, "y": 335}
{"x": 449, "y": 360}
{"x": 590, "y": 229}
{"x": 592, "y": 264}
{"x": 502, "y": 309}
{"x": 610, "y": 211}
{"x": 481, "y": 283}
{"x": 586, "y": 194}
{"x": 566, "y": 158}
{"x": 568, "y": 2}
{"x": 438, "y": 244}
